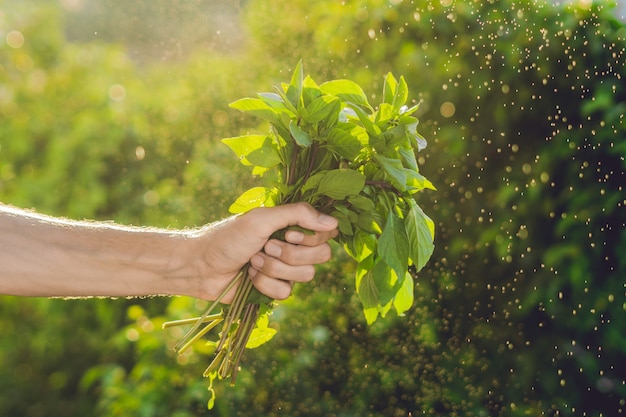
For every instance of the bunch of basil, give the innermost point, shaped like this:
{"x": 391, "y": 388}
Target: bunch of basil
{"x": 329, "y": 147}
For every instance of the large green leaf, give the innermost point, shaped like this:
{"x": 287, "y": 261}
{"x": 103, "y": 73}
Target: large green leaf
{"x": 275, "y": 101}
{"x": 389, "y": 88}
{"x": 396, "y": 173}
{"x": 362, "y": 203}
{"x": 393, "y": 244}
{"x": 404, "y": 297}
{"x": 242, "y": 146}
{"x": 265, "y": 157}
{"x": 421, "y": 232}
{"x": 293, "y": 90}
{"x": 402, "y": 93}
{"x": 340, "y": 183}
{"x": 395, "y": 92}
{"x": 363, "y": 246}
{"x": 387, "y": 283}
{"x": 416, "y": 182}
{"x": 312, "y": 183}
{"x": 253, "y": 198}
{"x": 346, "y": 90}
{"x": 322, "y": 108}
{"x": 258, "y": 108}
{"x": 407, "y": 155}
{"x": 367, "y": 290}
{"x": 301, "y": 137}
{"x": 343, "y": 143}
{"x": 371, "y": 128}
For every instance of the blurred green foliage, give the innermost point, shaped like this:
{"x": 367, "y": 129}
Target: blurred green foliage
{"x": 518, "y": 314}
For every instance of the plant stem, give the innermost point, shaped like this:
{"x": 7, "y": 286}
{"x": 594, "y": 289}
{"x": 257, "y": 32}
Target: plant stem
{"x": 236, "y": 307}
{"x": 191, "y": 321}
{"x": 218, "y": 359}
{"x": 314, "y": 148}
{"x": 385, "y": 185}
{"x": 198, "y": 335}
{"x": 252, "y": 312}
{"x": 208, "y": 311}
{"x": 291, "y": 178}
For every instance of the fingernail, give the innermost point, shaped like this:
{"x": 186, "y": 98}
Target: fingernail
{"x": 273, "y": 249}
{"x": 257, "y": 261}
{"x": 293, "y": 236}
{"x": 326, "y": 219}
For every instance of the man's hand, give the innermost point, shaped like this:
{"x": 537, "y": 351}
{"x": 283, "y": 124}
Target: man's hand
{"x": 275, "y": 265}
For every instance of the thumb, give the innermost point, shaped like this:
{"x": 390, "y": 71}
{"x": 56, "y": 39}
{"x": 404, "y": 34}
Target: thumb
{"x": 270, "y": 219}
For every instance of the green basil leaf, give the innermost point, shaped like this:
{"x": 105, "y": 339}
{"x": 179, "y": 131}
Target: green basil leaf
{"x": 343, "y": 223}
{"x": 253, "y": 198}
{"x": 384, "y": 309}
{"x": 310, "y": 91}
{"x": 368, "y": 222}
{"x": 366, "y": 245}
{"x": 404, "y": 297}
{"x": 396, "y": 137}
{"x": 409, "y": 122}
{"x": 343, "y": 143}
{"x": 242, "y": 146}
{"x": 402, "y": 94}
{"x": 293, "y": 96}
{"x": 299, "y": 135}
{"x": 371, "y": 128}
{"x": 258, "y": 171}
{"x": 322, "y": 108}
{"x": 347, "y": 90}
{"x": 395, "y": 92}
{"x": 410, "y": 110}
{"x": 312, "y": 183}
{"x": 310, "y": 83}
{"x": 265, "y": 157}
{"x": 295, "y": 90}
{"x": 407, "y": 154}
{"x": 275, "y": 101}
{"x": 258, "y": 108}
{"x": 387, "y": 284}
{"x": 362, "y": 203}
{"x": 393, "y": 244}
{"x": 395, "y": 171}
{"x": 262, "y": 333}
{"x": 367, "y": 290}
{"x": 340, "y": 183}
{"x": 389, "y": 88}
{"x": 421, "y": 232}
{"x": 384, "y": 113}
{"x": 416, "y": 182}
{"x": 286, "y": 101}
{"x": 418, "y": 142}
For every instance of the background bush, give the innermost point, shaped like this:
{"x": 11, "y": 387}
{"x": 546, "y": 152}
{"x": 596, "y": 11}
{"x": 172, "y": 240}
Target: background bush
{"x": 118, "y": 116}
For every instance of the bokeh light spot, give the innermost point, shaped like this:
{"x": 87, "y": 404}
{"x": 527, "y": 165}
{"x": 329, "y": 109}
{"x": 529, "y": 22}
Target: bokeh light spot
{"x": 151, "y": 198}
{"x": 447, "y": 109}
{"x": 140, "y": 153}
{"x": 117, "y": 92}
{"x": 15, "y": 39}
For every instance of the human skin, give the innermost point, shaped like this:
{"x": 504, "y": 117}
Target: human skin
{"x": 52, "y": 257}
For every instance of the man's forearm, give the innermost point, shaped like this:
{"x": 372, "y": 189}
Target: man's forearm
{"x": 46, "y": 256}
{"x": 43, "y": 256}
